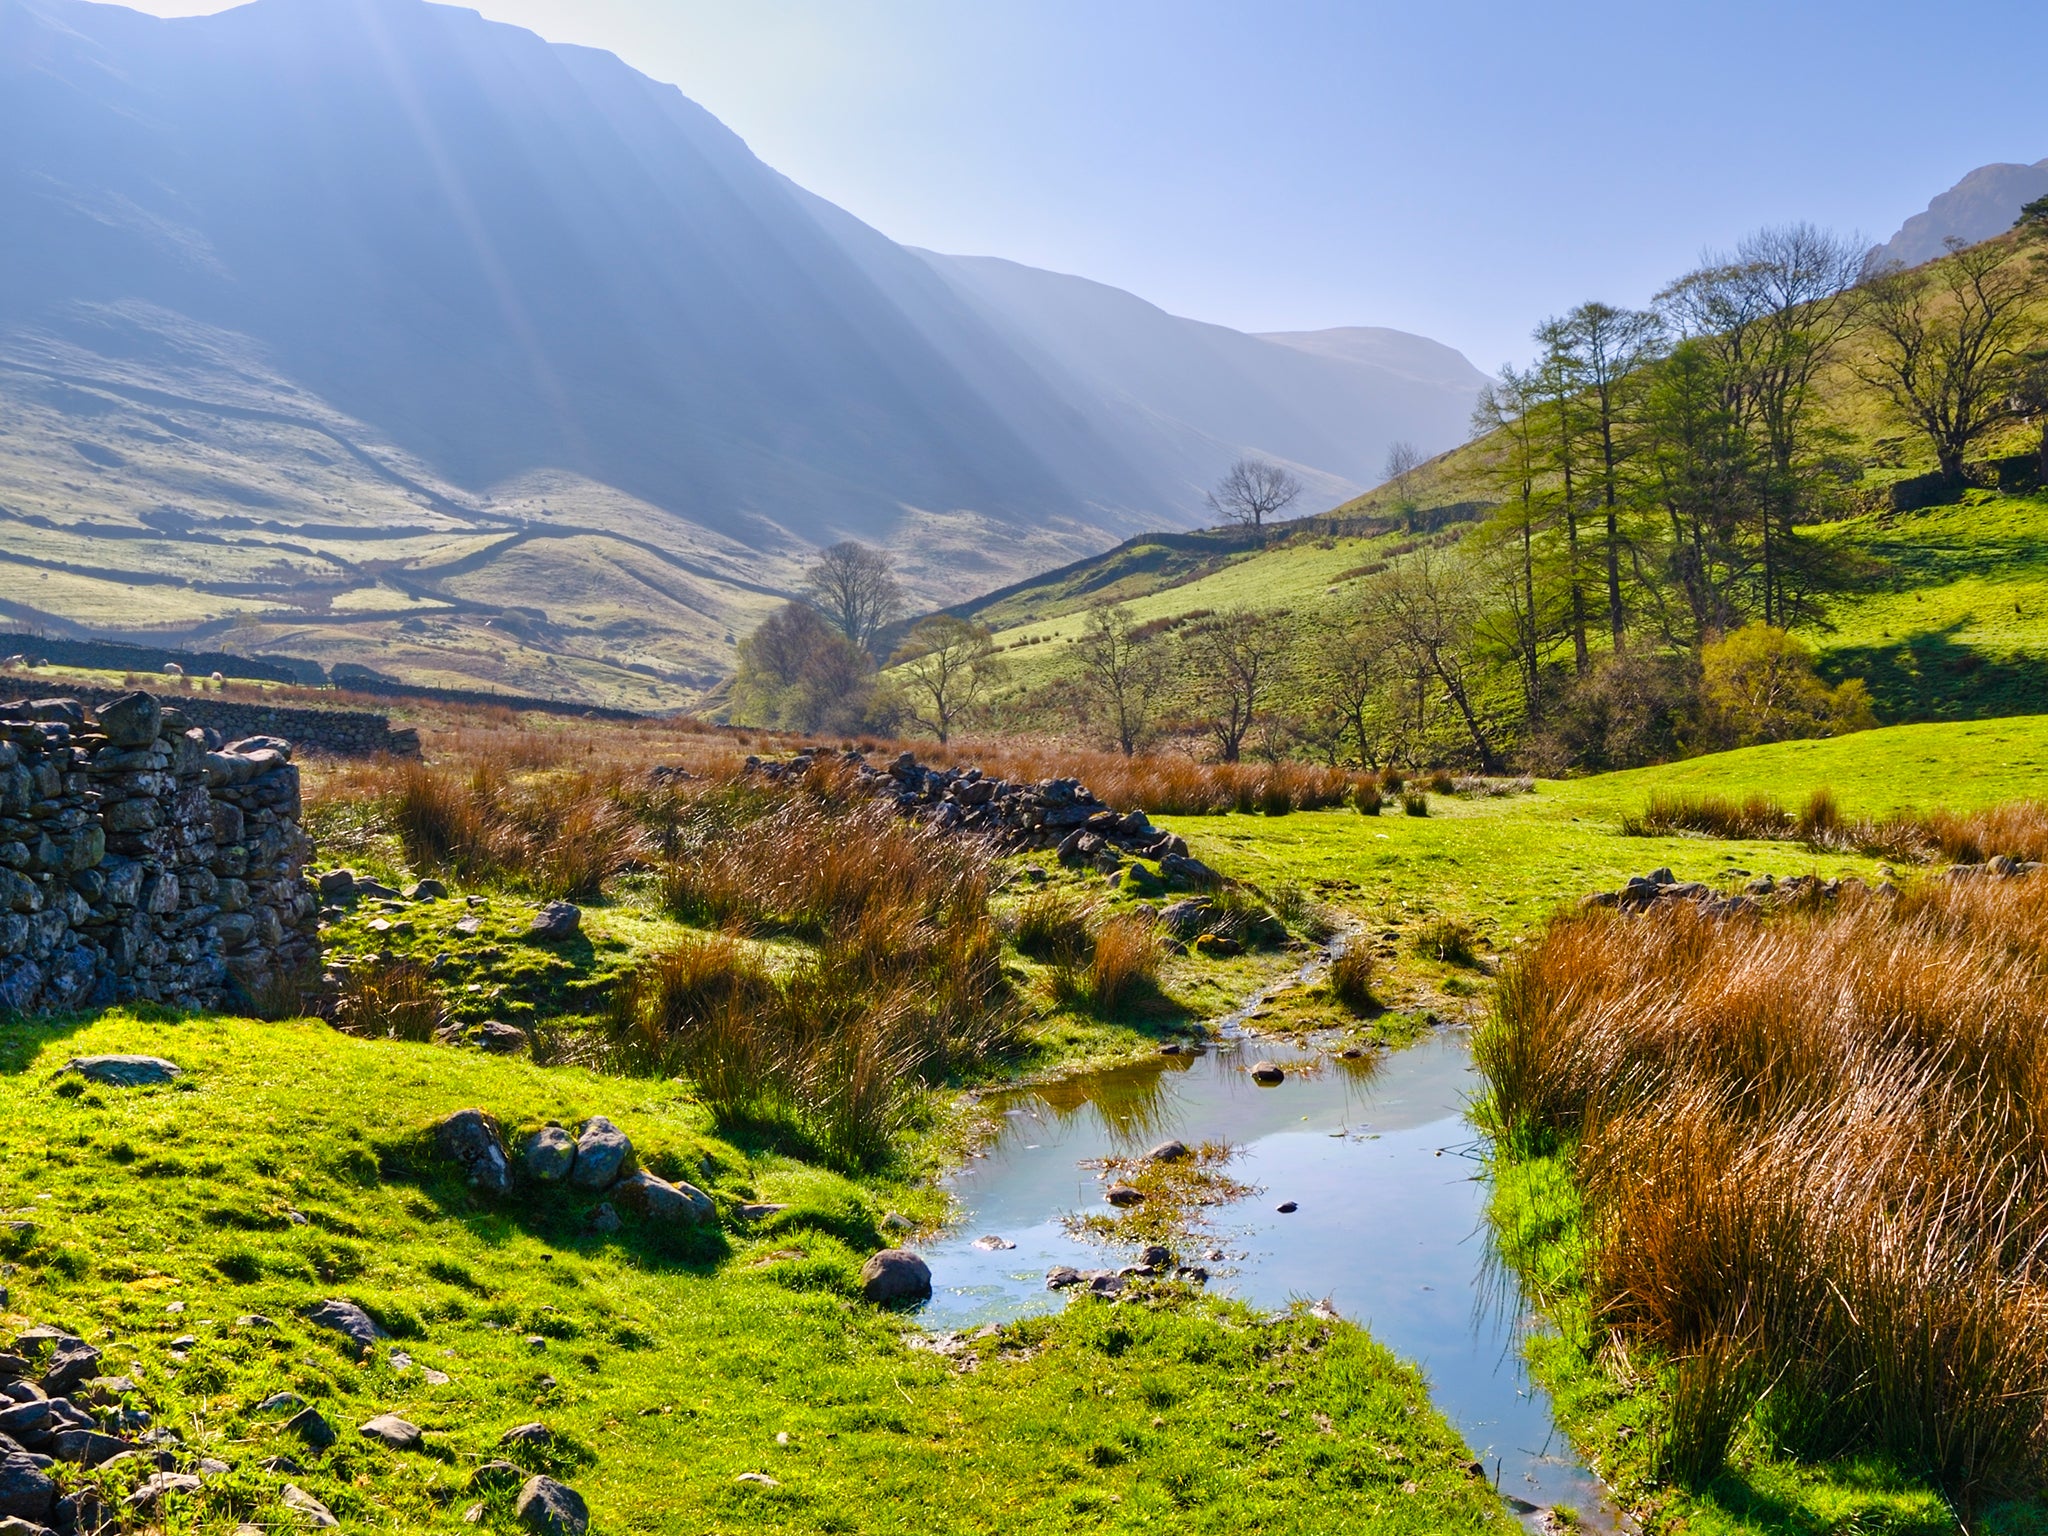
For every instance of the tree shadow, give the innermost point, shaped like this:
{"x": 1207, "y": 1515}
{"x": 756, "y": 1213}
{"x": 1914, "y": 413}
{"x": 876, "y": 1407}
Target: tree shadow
{"x": 23, "y": 1037}
{"x": 1931, "y": 675}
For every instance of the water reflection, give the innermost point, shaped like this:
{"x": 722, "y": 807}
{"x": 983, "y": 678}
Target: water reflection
{"x": 1381, "y": 1165}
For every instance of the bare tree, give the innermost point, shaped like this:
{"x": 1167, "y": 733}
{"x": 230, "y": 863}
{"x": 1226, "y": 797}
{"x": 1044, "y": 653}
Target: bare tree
{"x": 1252, "y": 491}
{"x": 948, "y": 666}
{"x": 1429, "y": 607}
{"x": 1121, "y": 668}
{"x": 1403, "y": 459}
{"x": 1947, "y": 342}
{"x": 1354, "y": 661}
{"x": 853, "y": 586}
{"x": 1231, "y": 664}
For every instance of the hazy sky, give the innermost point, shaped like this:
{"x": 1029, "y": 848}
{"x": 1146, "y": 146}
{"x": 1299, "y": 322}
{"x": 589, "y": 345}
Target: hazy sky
{"x": 1455, "y": 167}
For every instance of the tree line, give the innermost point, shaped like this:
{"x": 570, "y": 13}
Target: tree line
{"x": 1658, "y": 479}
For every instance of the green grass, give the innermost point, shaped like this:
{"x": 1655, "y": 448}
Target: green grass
{"x": 669, "y": 1365}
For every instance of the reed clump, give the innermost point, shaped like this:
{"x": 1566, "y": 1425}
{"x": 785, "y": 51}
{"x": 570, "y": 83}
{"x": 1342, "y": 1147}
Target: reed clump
{"x": 1813, "y": 1153}
{"x": 1350, "y": 981}
{"x": 388, "y": 1000}
{"x": 2018, "y": 830}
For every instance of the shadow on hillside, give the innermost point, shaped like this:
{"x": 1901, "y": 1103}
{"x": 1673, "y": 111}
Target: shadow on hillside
{"x": 1933, "y": 676}
{"x": 25, "y": 1037}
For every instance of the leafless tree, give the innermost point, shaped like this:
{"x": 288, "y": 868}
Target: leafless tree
{"x": 1948, "y": 339}
{"x": 1429, "y": 606}
{"x": 1354, "y": 660}
{"x": 1122, "y": 670}
{"x": 948, "y": 666}
{"x": 854, "y": 587}
{"x": 1252, "y": 491}
{"x": 1403, "y": 459}
{"x": 1231, "y": 664}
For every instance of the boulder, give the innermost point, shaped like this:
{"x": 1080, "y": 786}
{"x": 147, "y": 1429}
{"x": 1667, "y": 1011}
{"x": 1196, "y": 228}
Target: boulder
{"x": 551, "y": 1508}
{"x": 337, "y": 886}
{"x": 603, "y": 1154}
{"x": 658, "y": 1200}
{"x": 1266, "y": 1074}
{"x": 26, "y": 1490}
{"x": 310, "y": 1426}
{"x": 1167, "y": 1152}
{"x": 132, "y": 720}
{"x": 157, "y": 1485}
{"x": 390, "y": 1430}
{"x": 535, "y": 1433}
{"x": 895, "y": 1277}
{"x": 556, "y": 923}
{"x": 501, "y": 1039}
{"x": 70, "y": 1367}
{"x": 309, "y": 1510}
{"x": 346, "y": 1318}
{"x": 469, "y": 1137}
{"x": 1124, "y": 1195}
{"x": 123, "y": 1071}
{"x": 549, "y": 1154}
{"x": 426, "y": 890}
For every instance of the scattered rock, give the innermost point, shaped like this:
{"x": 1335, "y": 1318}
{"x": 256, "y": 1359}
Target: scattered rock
{"x": 159, "y": 1485}
{"x": 26, "y": 1491}
{"x": 495, "y": 1474}
{"x": 1167, "y": 1152}
{"x": 552, "y": 1508}
{"x": 336, "y": 886}
{"x": 348, "y": 1319}
{"x": 426, "y": 890}
{"x": 1124, "y": 1194}
{"x": 993, "y": 1244}
{"x": 309, "y": 1510}
{"x": 549, "y": 1154}
{"x": 895, "y": 1277}
{"x": 761, "y": 1210}
{"x": 603, "y": 1154}
{"x": 1155, "y": 1256}
{"x": 1286, "y": 1207}
{"x": 895, "y": 1221}
{"x": 604, "y": 1220}
{"x": 389, "y": 1429}
{"x": 123, "y": 1071}
{"x": 71, "y": 1366}
{"x": 1267, "y": 1074}
{"x": 658, "y": 1200}
{"x": 1217, "y": 946}
{"x": 1104, "y": 1282}
{"x": 501, "y": 1039}
{"x": 87, "y": 1446}
{"x": 311, "y": 1427}
{"x": 556, "y": 923}
{"x": 535, "y": 1433}
{"x": 760, "y": 1479}
{"x": 1060, "y": 1276}
{"x": 470, "y": 1137}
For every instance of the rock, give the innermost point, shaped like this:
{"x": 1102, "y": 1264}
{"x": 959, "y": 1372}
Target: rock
{"x": 993, "y": 1244}
{"x": 71, "y": 1367}
{"x": 283, "y": 1466}
{"x": 1286, "y": 1207}
{"x": 123, "y": 1071}
{"x": 26, "y": 1490}
{"x": 761, "y": 1210}
{"x": 895, "y": 1277}
{"x": 1123, "y": 1194}
{"x": 389, "y": 1429}
{"x": 426, "y": 890}
{"x": 896, "y": 1221}
{"x": 309, "y": 1510}
{"x": 1167, "y": 1152}
{"x": 501, "y": 1039}
{"x": 311, "y": 1427}
{"x": 658, "y": 1200}
{"x": 549, "y": 1154}
{"x": 337, "y": 885}
{"x": 1155, "y": 1256}
{"x": 345, "y": 1317}
{"x": 87, "y": 1446}
{"x": 552, "y": 1508}
{"x": 760, "y": 1479}
{"x": 132, "y": 720}
{"x": 556, "y": 923}
{"x": 604, "y": 1220}
{"x": 1266, "y": 1074}
{"x": 13, "y": 1525}
{"x": 495, "y": 1474}
{"x": 603, "y": 1154}
{"x": 1217, "y": 946}
{"x": 470, "y": 1138}
{"x": 1060, "y": 1276}
{"x": 157, "y": 1486}
{"x": 1103, "y": 1282}
{"x": 535, "y": 1433}
{"x": 13, "y": 1366}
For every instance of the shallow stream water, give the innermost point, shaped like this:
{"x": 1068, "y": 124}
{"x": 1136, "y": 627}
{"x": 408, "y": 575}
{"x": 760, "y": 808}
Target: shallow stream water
{"x": 1390, "y": 1226}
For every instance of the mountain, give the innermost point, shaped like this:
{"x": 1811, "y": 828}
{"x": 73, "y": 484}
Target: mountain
{"x": 374, "y": 331}
{"x": 1984, "y": 203}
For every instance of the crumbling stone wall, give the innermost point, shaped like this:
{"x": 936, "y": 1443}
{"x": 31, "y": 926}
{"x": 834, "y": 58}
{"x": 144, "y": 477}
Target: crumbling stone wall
{"x": 343, "y": 732}
{"x": 140, "y": 859}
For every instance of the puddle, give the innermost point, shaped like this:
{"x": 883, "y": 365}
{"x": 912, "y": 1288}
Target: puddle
{"x": 1388, "y": 1228}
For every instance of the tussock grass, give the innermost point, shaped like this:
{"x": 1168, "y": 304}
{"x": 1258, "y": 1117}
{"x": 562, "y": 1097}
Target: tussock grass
{"x": 1814, "y": 1157}
{"x": 1350, "y": 980}
{"x": 1054, "y": 922}
{"x": 1447, "y": 941}
{"x": 395, "y": 1000}
{"x": 2018, "y": 830}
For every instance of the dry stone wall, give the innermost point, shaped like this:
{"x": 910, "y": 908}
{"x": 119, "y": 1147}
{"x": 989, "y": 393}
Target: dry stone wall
{"x": 142, "y": 860}
{"x": 343, "y": 732}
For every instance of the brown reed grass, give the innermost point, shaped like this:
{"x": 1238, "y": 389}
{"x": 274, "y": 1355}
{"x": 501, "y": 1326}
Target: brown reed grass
{"x": 1813, "y": 1151}
{"x": 2018, "y": 830}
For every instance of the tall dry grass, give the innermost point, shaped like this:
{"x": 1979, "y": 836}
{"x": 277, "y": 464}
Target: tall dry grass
{"x": 1814, "y": 1156}
{"x": 2018, "y": 830}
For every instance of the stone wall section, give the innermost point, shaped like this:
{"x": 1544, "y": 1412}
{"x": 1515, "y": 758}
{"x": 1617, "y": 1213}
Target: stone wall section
{"x": 140, "y": 860}
{"x": 342, "y": 732}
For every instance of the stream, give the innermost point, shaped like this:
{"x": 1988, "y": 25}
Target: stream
{"x": 1390, "y": 1228}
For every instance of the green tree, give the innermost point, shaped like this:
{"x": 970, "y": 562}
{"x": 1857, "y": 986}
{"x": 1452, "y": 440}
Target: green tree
{"x": 798, "y": 673}
{"x": 1122, "y": 672}
{"x": 1759, "y": 684}
{"x": 1611, "y": 347}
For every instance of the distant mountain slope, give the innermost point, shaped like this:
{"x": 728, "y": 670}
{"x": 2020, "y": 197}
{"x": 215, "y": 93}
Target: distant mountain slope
{"x": 1984, "y": 203}
{"x": 278, "y": 282}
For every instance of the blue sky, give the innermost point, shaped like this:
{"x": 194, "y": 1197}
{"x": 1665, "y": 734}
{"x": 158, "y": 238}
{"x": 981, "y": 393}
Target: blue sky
{"x": 1459, "y": 168}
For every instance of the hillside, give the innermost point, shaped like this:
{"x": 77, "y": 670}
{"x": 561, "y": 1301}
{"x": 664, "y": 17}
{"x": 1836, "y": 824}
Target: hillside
{"x": 428, "y": 345}
{"x": 1984, "y": 203}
